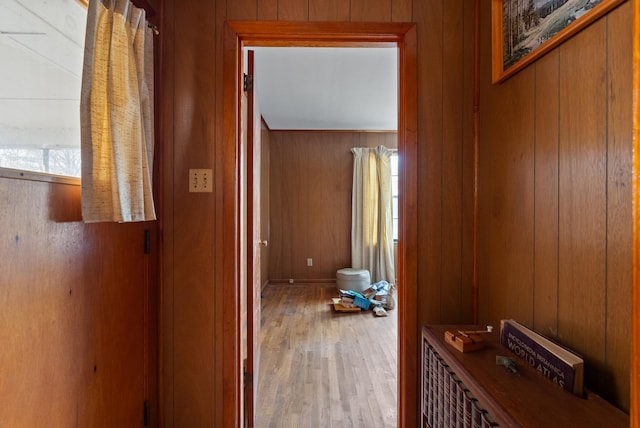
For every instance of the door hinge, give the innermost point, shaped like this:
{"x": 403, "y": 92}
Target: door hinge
{"x": 147, "y": 415}
{"x": 147, "y": 241}
{"x": 248, "y": 379}
{"x": 248, "y": 82}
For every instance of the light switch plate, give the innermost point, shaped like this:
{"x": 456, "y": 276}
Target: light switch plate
{"x": 200, "y": 180}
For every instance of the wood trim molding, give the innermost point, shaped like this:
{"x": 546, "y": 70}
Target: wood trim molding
{"x": 20, "y": 174}
{"x": 409, "y": 339}
{"x": 303, "y": 281}
{"x": 227, "y": 193}
{"x": 326, "y": 34}
{"x": 336, "y": 131}
{"x": 635, "y": 299}
{"x": 401, "y": 35}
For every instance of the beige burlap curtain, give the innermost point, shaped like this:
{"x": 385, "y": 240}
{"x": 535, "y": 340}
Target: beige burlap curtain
{"x": 116, "y": 111}
{"x": 371, "y": 215}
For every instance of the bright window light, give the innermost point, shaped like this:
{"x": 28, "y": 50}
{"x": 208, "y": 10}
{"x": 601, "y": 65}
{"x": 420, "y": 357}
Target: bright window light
{"x": 41, "y": 46}
{"x": 394, "y": 195}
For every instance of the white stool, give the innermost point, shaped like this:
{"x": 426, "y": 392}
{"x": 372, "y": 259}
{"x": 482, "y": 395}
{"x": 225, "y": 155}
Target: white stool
{"x": 353, "y": 279}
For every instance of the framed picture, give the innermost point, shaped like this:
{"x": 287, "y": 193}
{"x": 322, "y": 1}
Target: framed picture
{"x": 524, "y": 30}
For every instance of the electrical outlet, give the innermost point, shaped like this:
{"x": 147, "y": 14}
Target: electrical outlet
{"x": 200, "y": 180}
{"x": 309, "y": 262}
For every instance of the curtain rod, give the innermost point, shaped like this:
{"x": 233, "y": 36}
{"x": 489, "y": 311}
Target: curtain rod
{"x": 153, "y": 27}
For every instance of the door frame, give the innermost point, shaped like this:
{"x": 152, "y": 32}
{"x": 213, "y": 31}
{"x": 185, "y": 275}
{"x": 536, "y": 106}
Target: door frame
{"x": 635, "y": 293}
{"x": 252, "y": 244}
{"x": 239, "y": 34}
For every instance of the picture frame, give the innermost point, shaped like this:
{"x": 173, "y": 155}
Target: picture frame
{"x": 536, "y": 27}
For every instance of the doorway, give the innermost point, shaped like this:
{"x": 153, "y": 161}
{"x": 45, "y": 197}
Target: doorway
{"x": 403, "y": 36}
{"x": 316, "y": 104}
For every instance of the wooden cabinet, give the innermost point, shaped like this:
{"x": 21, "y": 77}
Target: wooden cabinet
{"x": 471, "y": 390}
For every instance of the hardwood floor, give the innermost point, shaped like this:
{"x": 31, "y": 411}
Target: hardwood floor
{"x": 319, "y": 368}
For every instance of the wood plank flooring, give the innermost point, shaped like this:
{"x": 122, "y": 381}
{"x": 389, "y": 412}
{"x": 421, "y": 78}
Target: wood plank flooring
{"x": 319, "y": 368}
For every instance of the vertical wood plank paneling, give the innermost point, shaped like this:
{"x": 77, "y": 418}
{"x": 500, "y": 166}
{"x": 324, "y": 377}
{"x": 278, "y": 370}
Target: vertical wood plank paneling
{"x": 287, "y": 171}
{"x": 277, "y": 211}
{"x": 297, "y": 202}
{"x": 582, "y": 248}
{"x": 582, "y": 239}
{"x": 267, "y": 10}
{"x": 489, "y": 97}
{"x": 441, "y": 98}
{"x": 340, "y": 150}
{"x": 193, "y": 312}
{"x": 506, "y": 177}
{"x": 31, "y": 305}
{"x": 619, "y": 212}
{"x": 72, "y": 321}
{"x": 313, "y": 170}
{"x": 329, "y": 10}
{"x": 242, "y": 10}
{"x": 545, "y": 304}
{"x": 118, "y": 332}
{"x": 328, "y": 234}
{"x": 371, "y": 10}
{"x": 293, "y": 10}
{"x": 167, "y": 115}
{"x": 518, "y": 190}
{"x": 430, "y": 116}
{"x": 505, "y": 223}
{"x": 401, "y": 10}
{"x": 452, "y": 106}
{"x": 220, "y": 399}
{"x": 468, "y": 162}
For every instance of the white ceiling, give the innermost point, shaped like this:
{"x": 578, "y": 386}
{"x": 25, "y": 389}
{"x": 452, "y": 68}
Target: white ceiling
{"x": 327, "y": 88}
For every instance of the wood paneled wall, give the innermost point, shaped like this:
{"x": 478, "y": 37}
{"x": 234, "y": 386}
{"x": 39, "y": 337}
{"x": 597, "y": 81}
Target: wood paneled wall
{"x": 78, "y": 309}
{"x": 446, "y": 159}
{"x": 73, "y": 318}
{"x": 555, "y": 197}
{"x": 192, "y": 130}
{"x": 310, "y": 211}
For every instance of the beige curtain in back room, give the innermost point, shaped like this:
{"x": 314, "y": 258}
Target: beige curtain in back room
{"x": 371, "y": 216}
{"x": 117, "y": 114}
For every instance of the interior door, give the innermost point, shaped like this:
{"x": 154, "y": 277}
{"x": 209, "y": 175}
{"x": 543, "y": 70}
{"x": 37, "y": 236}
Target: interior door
{"x": 254, "y": 244}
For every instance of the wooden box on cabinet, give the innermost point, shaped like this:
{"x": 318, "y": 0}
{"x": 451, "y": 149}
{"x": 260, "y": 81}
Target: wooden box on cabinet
{"x": 470, "y": 390}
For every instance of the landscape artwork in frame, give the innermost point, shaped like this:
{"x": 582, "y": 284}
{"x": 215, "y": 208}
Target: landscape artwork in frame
{"x": 524, "y": 30}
